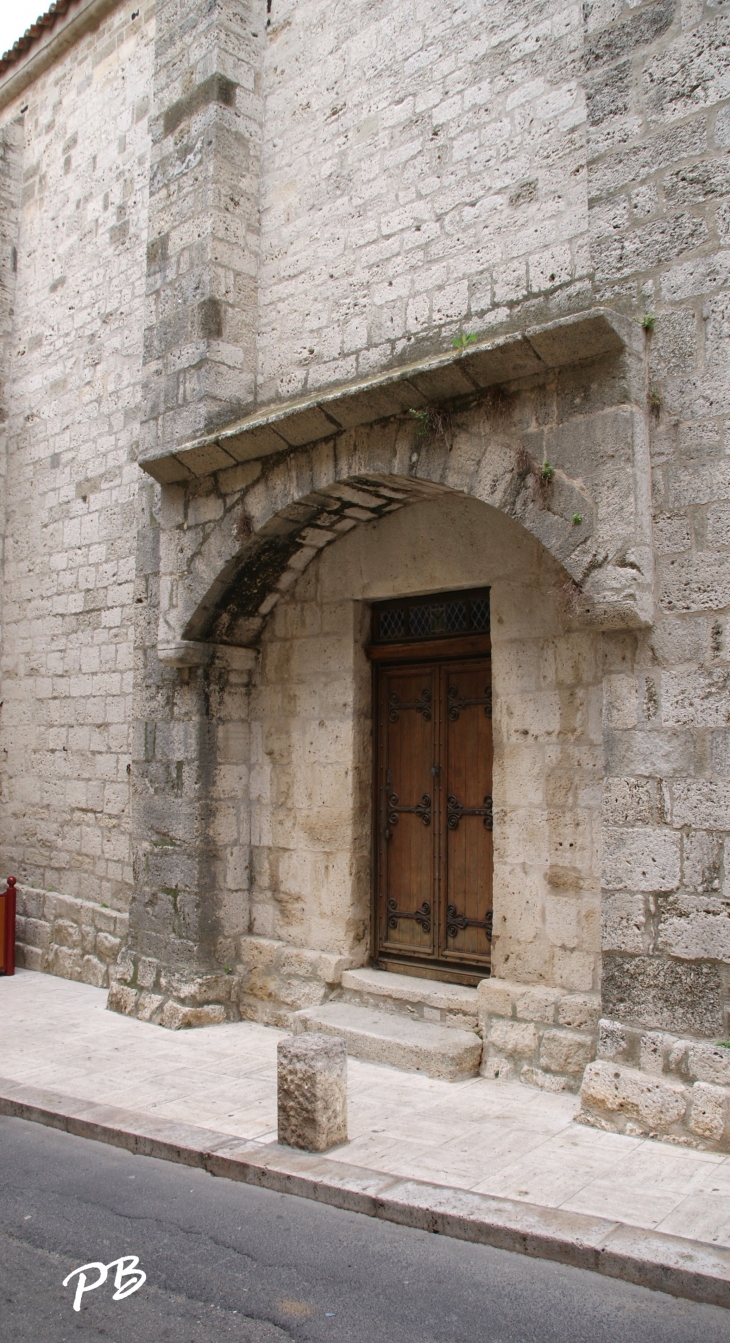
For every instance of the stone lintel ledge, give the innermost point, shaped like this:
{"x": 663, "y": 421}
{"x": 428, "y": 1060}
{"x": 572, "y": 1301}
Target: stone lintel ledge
{"x": 533, "y": 353}
{"x": 190, "y": 653}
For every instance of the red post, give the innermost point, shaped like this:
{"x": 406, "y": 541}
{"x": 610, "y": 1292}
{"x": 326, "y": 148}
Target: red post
{"x": 10, "y": 927}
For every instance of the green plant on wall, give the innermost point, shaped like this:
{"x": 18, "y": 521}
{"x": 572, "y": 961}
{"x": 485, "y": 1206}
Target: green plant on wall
{"x": 463, "y": 341}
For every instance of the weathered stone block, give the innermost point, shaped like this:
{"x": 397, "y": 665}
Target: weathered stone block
{"x": 658, "y": 1104}
{"x": 94, "y": 972}
{"x": 708, "y": 1063}
{"x": 538, "y": 1003}
{"x": 147, "y": 969}
{"x": 513, "y": 1037}
{"x": 496, "y": 1066}
{"x": 107, "y": 947}
{"x": 623, "y": 922}
{"x": 579, "y": 1010}
{"x": 497, "y": 996}
{"x": 652, "y": 1050}
{"x": 678, "y": 996}
{"x": 312, "y": 1091}
{"x": 611, "y": 1039}
{"x": 37, "y": 933}
{"x": 565, "y": 1051}
{"x": 122, "y": 999}
{"x": 709, "y": 1113}
{"x": 149, "y": 1006}
{"x": 29, "y": 958}
{"x": 641, "y": 860}
{"x": 176, "y": 1017}
{"x": 63, "y": 961}
{"x": 66, "y": 934}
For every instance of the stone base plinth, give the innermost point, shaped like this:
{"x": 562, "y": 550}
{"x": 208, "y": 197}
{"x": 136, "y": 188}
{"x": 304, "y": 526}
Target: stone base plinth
{"x": 312, "y": 1091}
{"x": 542, "y": 1036}
{"x": 649, "y": 1082}
{"x": 267, "y": 981}
{"x": 63, "y": 935}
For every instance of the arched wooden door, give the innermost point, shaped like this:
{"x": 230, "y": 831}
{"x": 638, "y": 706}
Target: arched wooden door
{"x": 433, "y": 786}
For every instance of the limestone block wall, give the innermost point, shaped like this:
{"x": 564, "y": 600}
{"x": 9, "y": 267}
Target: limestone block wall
{"x": 202, "y": 246}
{"x": 72, "y": 437}
{"x": 75, "y": 939}
{"x": 11, "y": 170}
{"x": 539, "y": 1034}
{"x": 429, "y": 180}
{"x": 659, "y": 134}
{"x": 656, "y": 1083}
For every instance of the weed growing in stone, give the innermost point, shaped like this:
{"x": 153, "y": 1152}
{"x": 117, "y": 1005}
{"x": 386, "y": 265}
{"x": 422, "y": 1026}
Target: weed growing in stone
{"x": 463, "y": 341}
{"x": 433, "y": 422}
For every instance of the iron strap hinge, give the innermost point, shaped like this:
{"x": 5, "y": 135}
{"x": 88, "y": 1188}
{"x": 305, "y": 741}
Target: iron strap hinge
{"x": 455, "y": 811}
{"x": 422, "y": 915}
{"x": 457, "y": 923}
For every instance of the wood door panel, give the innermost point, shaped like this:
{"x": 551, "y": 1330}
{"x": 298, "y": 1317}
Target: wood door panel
{"x": 467, "y": 785}
{"x": 434, "y": 855}
{"x": 408, "y": 827}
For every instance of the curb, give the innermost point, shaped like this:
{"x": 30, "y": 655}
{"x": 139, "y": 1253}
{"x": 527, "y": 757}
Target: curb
{"x": 686, "y": 1268}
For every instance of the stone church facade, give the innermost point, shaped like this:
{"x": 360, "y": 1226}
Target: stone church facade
{"x": 347, "y": 343}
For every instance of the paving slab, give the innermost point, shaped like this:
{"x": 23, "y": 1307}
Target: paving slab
{"x": 480, "y": 1159}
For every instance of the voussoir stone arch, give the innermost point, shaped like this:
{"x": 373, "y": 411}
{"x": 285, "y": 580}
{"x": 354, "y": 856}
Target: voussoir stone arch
{"x": 243, "y": 537}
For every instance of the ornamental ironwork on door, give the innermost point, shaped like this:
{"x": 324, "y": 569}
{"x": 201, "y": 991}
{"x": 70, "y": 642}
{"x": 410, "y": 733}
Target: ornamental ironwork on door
{"x": 434, "y": 815}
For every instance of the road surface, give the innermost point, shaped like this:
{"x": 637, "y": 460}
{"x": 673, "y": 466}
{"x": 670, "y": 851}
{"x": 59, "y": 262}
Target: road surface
{"x": 225, "y": 1262}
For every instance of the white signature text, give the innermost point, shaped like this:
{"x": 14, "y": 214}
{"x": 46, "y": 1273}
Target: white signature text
{"x": 127, "y": 1279}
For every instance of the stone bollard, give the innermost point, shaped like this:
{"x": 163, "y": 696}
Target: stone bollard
{"x": 312, "y": 1091}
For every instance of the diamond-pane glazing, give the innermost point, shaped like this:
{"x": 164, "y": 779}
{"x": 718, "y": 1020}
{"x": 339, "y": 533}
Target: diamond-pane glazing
{"x": 420, "y": 620}
{"x": 455, "y": 617}
{"x": 480, "y": 614}
{"x": 392, "y": 624}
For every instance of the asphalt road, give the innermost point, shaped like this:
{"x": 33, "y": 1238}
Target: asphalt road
{"x": 228, "y": 1262}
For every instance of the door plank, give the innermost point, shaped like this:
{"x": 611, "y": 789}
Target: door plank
{"x": 407, "y": 825}
{"x": 466, "y": 697}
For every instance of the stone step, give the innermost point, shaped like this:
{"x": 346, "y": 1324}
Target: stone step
{"x": 389, "y": 1037}
{"x": 420, "y": 999}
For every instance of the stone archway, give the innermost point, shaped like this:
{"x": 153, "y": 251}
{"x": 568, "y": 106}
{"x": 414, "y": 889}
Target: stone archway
{"x": 235, "y": 539}
{"x": 240, "y": 537}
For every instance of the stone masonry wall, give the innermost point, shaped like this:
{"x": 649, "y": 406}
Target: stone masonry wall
{"x": 660, "y": 226}
{"x": 76, "y": 939}
{"x": 73, "y": 430}
{"x": 651, "y": 1082}
{"x": 203, "y": 243}
{"x": 11, "y": 170}
{"x": 428, "y": 179}
{"x": 426, "y": 169}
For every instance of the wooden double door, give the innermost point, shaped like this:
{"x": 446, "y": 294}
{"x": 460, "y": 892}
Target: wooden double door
{"x": 434, "y": 858}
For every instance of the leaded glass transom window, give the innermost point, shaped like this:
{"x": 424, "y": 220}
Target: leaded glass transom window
{"x": 447, "y": 615}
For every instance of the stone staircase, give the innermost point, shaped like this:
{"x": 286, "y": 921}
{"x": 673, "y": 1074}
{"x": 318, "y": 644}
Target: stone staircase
{"x": 417, "y": 1025}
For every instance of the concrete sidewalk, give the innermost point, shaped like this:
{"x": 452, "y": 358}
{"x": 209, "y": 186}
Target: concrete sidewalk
{"x": 515, "y": 1151}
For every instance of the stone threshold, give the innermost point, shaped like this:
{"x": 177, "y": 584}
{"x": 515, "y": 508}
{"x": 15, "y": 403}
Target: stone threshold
{"x": 681, "y": 1267}
{"x": 456, "y": 374}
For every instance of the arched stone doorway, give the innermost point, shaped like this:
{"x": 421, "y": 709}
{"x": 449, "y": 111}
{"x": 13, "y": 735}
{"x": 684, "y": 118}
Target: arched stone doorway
{"x": 253, "y": 890}
{"x": 312, "y": 743}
